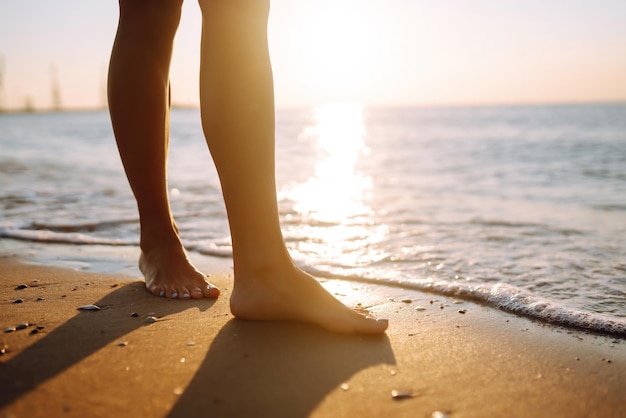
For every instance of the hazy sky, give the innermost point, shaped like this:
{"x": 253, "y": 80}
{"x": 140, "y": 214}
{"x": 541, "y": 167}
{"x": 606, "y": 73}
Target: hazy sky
{"x": 369, "y": 51}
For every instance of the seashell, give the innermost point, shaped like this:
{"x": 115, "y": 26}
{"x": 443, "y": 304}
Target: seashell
{"x": 89, "y": 308}
{"x": 21, "y": 286}
{"x": 122, "y": 344}
{"x": 420, "y": 308}
{"x": 23, "y": 325}
{"x": 134, "y": 314}
{"x": 401, "y": 394}
{"x": 151, "y": 319}
{"x": 9, "y": 329}
{"x": 18, "y": 300}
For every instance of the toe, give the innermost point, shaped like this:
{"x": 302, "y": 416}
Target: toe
{"x": 211, "y": 291}
{"x": 156, "y": 290}
{"x": 185, "y": 293}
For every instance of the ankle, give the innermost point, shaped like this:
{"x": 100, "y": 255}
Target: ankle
{"x": 152, "y": 238}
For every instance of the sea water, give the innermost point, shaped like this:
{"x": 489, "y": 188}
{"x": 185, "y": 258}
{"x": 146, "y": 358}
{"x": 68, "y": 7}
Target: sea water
{"x": 522, "y": 208}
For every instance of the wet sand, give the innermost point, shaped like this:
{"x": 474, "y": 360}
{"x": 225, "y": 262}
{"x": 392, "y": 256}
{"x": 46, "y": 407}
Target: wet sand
{"x": 439, "y": 354}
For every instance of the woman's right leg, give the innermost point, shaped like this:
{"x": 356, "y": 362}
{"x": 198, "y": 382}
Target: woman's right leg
{"x": 237, "y": 103}
{"x": 139, "y": 105}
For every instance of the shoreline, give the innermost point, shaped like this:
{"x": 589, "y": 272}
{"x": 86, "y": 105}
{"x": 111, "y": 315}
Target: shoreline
{"x": 122, "y": 260}
{"x": 440, "y": 354}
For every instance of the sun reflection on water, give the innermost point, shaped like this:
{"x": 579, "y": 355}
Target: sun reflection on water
{"x": 336, "y": 192}
{"x": 330, "y": 219}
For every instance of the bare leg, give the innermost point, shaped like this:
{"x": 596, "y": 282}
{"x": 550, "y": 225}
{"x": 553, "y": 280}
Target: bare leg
{"x": 139, "y": 105}
{"x": 237, "y": 103}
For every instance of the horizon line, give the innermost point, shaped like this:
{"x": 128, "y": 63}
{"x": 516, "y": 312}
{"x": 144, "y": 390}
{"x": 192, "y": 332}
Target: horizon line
{"x": 192, "y": 106}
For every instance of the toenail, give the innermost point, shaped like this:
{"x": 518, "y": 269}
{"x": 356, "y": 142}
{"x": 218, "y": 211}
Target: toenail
{"x": 174, "y": 294}
{"x": 162, "y": 292}
{"x": 185, "y": 295}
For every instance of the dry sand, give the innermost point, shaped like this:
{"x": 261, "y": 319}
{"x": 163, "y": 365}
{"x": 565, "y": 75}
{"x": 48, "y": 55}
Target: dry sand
{"x": 198, "y": 361}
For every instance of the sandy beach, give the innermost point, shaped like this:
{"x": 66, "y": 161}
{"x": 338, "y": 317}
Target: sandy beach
{"x": 440, "y": 357}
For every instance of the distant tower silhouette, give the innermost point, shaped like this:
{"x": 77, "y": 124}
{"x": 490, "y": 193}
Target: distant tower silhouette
{"x": 56, "y": 91}
{"x": 1, "y": 83}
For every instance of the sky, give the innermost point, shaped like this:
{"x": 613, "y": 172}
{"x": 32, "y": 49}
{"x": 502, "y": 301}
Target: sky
{"x": 373, "y": 52}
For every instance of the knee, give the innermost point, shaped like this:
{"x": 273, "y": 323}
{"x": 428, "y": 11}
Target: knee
{"x": 235, "y": 8}
{"x": 151, "y": 16}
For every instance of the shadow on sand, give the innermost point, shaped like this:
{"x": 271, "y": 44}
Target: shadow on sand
{"x": 81, "y": 336}
{"x": 260, "y": 369}
{"x": 275, "y": 369}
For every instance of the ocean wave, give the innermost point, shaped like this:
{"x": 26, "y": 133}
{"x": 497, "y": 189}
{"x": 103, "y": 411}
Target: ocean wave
{"x": 507, "y": 298}
{"x": 54, "y": 237}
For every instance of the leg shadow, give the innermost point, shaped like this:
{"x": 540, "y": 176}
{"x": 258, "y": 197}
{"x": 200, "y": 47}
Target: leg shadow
{"x": 83, "y": 335}
{"x": 275, "y": 369}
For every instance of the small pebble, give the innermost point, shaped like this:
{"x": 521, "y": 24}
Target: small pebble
{"x": 392, "y": 372}
{"x": 9, "y": 329}
{"x": 40, "y": 327}
{"x": 134, "y": 314}
{"x": 407, "y": 301}
{"x": 89, "y": 308}
{"x": 178, "y": 391}
{"x": 462, "y": 311}
{"x": 440, "y": 414}
{"x": 420, "y": 308}
{"x": 38, "y": 299}
{"x": 399, "y": 395}
{"x": 122, "y": 344}
{"x": 151, "y": 319}
{"x": 190, "y": 343}
{"x": 34, "y": 331}
{"x": 19, "y": 300}
{"x": 21, "y": 286}
{"x": 344, "y": 386}
{"x": 23, "y": 325}
{"x": 3, "y": 350}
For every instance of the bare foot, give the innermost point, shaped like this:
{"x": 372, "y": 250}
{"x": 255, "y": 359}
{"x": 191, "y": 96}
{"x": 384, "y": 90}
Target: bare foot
{"x": 169, "y": 273}
{"x": 297, "y": 296}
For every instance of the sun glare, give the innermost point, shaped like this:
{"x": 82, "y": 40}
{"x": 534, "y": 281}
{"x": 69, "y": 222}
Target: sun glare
{"x": 338, "y": 47}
